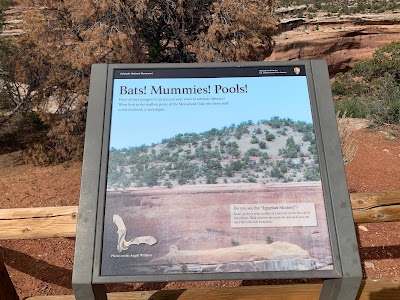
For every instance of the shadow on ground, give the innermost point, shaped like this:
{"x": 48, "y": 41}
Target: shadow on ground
{"x": 42, "y": 271}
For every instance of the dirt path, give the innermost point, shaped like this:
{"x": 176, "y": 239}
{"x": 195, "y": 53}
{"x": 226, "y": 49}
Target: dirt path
{"x": 376, "y": 168}
{"x": 43, "y": 267}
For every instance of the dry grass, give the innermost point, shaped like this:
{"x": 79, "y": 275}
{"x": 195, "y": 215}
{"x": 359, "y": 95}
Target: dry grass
{"x": 349, "y": 149}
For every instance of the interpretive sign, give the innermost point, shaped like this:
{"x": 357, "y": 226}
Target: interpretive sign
{"x": 224, "y": 171}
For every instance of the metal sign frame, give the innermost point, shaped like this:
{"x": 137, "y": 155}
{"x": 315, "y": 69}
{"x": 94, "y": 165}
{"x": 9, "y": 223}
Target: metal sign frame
{"x": 341, "y": 283}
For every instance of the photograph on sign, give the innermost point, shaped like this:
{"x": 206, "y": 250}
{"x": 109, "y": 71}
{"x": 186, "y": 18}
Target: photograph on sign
{"x": 213, "y": 171}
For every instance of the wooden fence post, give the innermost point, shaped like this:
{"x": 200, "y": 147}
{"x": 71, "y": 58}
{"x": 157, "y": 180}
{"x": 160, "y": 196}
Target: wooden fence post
{"x": 7, "y": 290}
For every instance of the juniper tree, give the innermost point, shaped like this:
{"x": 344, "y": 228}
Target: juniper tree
{"x": 64, "y": 38}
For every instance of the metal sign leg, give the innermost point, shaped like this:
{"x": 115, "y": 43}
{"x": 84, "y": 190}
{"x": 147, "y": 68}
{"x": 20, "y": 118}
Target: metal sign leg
{"x": 88, "y": 291}
{"x": 340, "y": 289}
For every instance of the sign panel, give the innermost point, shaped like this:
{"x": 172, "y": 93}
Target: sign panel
{"x": 213, "y": 171}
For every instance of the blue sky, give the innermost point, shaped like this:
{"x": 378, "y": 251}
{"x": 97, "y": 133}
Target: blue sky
{"x": 285, "y": 97}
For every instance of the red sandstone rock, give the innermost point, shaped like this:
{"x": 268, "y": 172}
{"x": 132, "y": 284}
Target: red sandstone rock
{"x": 341, "y": 41}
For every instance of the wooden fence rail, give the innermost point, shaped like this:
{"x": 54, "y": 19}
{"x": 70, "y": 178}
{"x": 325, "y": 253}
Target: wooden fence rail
{"x": 50, "y": 222}
{"x": 36, "y": 223}
{"x": 376, "y": 207}
{"x": 383, "y": 289}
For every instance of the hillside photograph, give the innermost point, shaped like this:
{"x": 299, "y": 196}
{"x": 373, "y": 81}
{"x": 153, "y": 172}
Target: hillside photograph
{"x": 266, "y": 151}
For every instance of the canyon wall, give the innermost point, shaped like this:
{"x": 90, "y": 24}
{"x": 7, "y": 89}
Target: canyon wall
{"x": 342, "y": 41}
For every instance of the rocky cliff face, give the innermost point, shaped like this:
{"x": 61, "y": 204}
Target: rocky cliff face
{"x": 342, "y": 41}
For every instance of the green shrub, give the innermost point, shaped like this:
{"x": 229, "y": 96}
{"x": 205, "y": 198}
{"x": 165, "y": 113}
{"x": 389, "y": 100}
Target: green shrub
{"x": 168, "y": 184}
{"x": 281, "y": 164}
{"x": 276, "y": 172}
{"x": 269, "y": 137}
{"x": 229, "y": 171}
{"x": 211, "y": 178}
{"x": 287, "y": 179}
{"x": 312, "y": 174}
{"x": 384, "y": 101}
{"x": 254, "y": 140}
{"x": 253, "y": 152}
{"x": 251, "y": 179}
{"x": 313, "y": 149}
{"x": 354, "y": 107}
{"x": 275, "y": 122}
{"x": 291, "y": 150}
{"x": 282, "y": 131}
{"x": 372, "y": 88}
{"x": 308, "y": 136}
{"x": 236, "y": 165}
